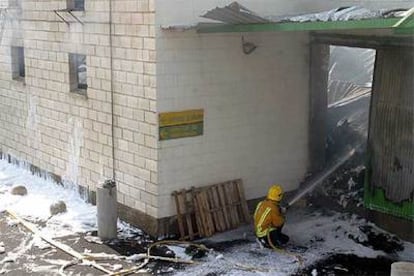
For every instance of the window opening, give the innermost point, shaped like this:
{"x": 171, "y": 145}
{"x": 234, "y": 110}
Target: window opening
{"x": 78, "y": 73}
{"x": 18, "y": 65}
{"x": 76, "y": 5}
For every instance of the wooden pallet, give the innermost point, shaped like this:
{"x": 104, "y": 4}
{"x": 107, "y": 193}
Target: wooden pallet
{"x": 201, "y": 212}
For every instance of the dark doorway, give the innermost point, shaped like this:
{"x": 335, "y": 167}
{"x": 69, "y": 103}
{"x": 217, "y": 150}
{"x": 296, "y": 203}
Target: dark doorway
{"x": 350, "y": 76}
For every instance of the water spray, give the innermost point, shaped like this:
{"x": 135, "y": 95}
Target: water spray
{"x": 319, "y": 178}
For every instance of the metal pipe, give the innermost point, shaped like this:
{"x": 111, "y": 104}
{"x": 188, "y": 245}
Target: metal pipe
{"x": 107, "y": 210}
{"x": 112, "y": 91}
{"x": 106, "y": 194}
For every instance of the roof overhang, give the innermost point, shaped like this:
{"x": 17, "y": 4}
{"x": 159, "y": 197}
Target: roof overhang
{"x": 398, "y": 26}
{"x": 236, "y": 18}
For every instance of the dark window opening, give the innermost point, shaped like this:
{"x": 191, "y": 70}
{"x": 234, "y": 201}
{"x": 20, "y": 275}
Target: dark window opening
{"x": 76, "y": 5}
{"x": 18, "y": 65}
{"x": 78, "y": 73}
{"x": 80, "y": 5}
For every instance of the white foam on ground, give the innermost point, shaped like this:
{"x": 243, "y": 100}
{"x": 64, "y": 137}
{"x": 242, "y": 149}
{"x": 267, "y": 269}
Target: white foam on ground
{"x": 322, "y": 234}
{"x": 41, "y": 193}
{"x": 80, "y": 216}
{"x": 179, "y": 252}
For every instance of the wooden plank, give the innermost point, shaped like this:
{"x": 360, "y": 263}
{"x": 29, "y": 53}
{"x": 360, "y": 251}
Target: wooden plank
{"x": 232, "y": 209}
{"x": 220, "y": 211}
{"x": 213, "y": 208}
{"x": 179, "y": 215}
{"x": 199, "y": 223}
{"x": 224, "y": 204}
{"x": 202, "y": 213}
{"x": 242, "y": 199}
{"x": 188, "y": 217}
{"x": 209, "y": 226}
{"x": 228, "y": 207}
{"x": 183, "y": 207}
{"x": 219, "y": 223}
{"x": 235, "y": 199}
{"x": 212, "y": 228}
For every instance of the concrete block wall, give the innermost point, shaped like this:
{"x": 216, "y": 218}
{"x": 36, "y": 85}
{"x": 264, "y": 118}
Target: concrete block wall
{"x": 134, "y": 59}
{"x": 255, "y": 111}
{"x": 68, "y": 134}
{"x": 256, "y": 106}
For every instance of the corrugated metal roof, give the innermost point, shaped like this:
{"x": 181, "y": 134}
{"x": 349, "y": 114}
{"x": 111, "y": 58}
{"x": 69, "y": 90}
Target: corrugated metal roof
{"x": 237, "y": 18}
{"x": 238, "y": 14}
{"x": 235, "y": 14}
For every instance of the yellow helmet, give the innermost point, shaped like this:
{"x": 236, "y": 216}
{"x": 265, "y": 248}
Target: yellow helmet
{"x": 275, "y": 193}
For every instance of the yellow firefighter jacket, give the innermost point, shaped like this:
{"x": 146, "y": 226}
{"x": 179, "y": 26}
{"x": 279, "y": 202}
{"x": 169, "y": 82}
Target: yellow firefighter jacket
{"x": 267, "y": 217}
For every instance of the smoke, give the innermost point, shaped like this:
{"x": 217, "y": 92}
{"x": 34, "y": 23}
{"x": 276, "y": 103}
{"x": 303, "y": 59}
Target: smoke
{"x": 319, "y": 178}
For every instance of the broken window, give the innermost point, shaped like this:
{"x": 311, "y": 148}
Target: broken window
{"x": 78, "y": 71}
{"x": 76, "y": 5}
{"x": 18, "y": 66}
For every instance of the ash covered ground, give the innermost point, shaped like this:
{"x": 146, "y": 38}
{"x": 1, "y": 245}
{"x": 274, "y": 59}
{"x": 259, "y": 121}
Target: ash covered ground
{"x": 322, "y": 241}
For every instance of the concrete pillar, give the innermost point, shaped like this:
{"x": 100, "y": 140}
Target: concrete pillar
{"x": 402, "y": 269}
{"x": 107, "y": 210}
{"x": 318, "y": 104}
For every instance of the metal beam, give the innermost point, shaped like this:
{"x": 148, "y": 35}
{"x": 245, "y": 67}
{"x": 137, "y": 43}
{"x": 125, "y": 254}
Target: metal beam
{"x": 363, "y": 41}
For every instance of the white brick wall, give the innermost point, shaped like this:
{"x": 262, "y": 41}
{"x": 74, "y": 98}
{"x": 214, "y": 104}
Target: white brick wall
{"x": 39, "y": 118}
{"x": 255, "y": 106}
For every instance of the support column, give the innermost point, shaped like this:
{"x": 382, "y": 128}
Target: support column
{"x": 319, "y": 66}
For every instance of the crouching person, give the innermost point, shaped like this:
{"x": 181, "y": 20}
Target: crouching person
{"x": 269, "y": 219}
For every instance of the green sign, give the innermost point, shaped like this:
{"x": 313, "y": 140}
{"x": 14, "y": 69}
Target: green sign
{"x": 181, "y": 124}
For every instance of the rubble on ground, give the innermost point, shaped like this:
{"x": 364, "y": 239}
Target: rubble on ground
{"x": 19, "y": 190}
{"x": 58, "y": 208}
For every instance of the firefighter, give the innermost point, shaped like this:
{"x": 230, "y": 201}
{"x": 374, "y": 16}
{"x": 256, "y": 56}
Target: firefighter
{"x": 269, "y": 219}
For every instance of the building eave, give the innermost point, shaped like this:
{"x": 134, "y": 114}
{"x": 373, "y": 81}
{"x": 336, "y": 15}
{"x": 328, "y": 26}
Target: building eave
{"x": 376, "y": 23}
